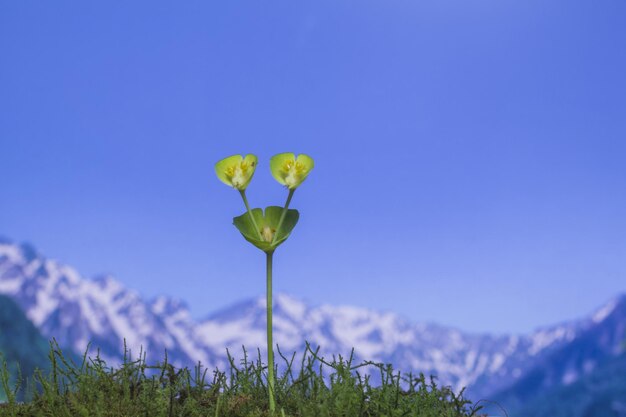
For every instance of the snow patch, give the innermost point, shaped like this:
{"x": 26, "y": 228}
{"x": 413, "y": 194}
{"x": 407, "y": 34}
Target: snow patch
{"x": 545, "y": 338}
{"x": 497, "y": 362}
{"x": 569, "y": 377}
{"x": 12, "y": 252}
{"x": 292, "y": 306}
{"x": 43, "y": 307}
{"x": 10, "y": 286}
{"x": 604, "y": 312}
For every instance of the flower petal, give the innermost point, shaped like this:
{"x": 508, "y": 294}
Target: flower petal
{"x": 277, "y": 163}
{"x": 236, "y": 171}
{"x": 251, "y": 162}
{"x": 307, "y": 163}
{"x": 290, "y": 170}
{"x": 222, "y": 166}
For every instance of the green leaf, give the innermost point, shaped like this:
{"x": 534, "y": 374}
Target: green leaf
{"x": 267, "y": 222}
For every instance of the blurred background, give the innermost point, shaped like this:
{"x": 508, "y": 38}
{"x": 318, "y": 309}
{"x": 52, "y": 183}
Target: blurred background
{"x": 469, "y": 172}
{"x": 469, "y": 155}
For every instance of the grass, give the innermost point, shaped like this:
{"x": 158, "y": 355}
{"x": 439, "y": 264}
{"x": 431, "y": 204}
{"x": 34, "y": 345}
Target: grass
{"x": 310, "y": 386}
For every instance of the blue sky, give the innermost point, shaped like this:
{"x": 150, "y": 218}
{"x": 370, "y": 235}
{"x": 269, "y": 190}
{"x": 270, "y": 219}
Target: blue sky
{"x": 469, "y": 154}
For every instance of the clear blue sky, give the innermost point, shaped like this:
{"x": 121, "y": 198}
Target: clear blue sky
{"x": 470, "y": 155}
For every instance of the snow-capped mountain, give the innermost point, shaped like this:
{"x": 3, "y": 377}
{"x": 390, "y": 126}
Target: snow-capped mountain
{"x": 102, "y": 311}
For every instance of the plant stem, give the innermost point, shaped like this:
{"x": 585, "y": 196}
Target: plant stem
{"x": 283, "y": 214}
{"x": 270, "y": 343}
{"x": 245, "y": 201}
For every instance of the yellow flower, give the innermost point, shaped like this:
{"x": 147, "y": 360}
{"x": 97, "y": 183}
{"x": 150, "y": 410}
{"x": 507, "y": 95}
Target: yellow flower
{"x": 290, "y": 170}
{"x": 236, "y": 171}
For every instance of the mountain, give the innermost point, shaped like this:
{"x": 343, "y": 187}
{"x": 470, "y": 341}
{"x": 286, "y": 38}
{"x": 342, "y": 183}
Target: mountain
{"x": 514, "y": 368}
{"x": 20, "y": 342}
{"x": 77, "y": 311}
{"x": 597, "y": 349}
{"x": 600, "y": 393}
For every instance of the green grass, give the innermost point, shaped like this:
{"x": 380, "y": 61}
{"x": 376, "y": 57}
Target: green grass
{"x": 306, "y": 386}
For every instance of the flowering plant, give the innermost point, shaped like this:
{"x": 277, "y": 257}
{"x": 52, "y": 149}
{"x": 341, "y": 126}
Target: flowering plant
{"x": 269, "y": 228}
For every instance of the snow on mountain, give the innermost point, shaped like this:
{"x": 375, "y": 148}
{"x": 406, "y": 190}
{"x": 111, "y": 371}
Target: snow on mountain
{"x": 102, "y": 311}
{"x": 455, "y": 357}
{"x": 594, "y": 343}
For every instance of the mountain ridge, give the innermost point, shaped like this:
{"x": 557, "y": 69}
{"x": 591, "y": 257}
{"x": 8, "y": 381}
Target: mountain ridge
{"x": 75, "y": 311}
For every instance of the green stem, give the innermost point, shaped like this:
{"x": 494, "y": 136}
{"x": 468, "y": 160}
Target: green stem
{"x": 270, "y": 343}
{"x": 283, "y": 214}
{"x": 245, "y": 201}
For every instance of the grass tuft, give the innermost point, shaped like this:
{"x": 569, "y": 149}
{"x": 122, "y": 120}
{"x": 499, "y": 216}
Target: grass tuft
{"x": 316, "y": 388}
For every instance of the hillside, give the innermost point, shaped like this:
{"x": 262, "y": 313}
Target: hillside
{"x": 20, "y": 341}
